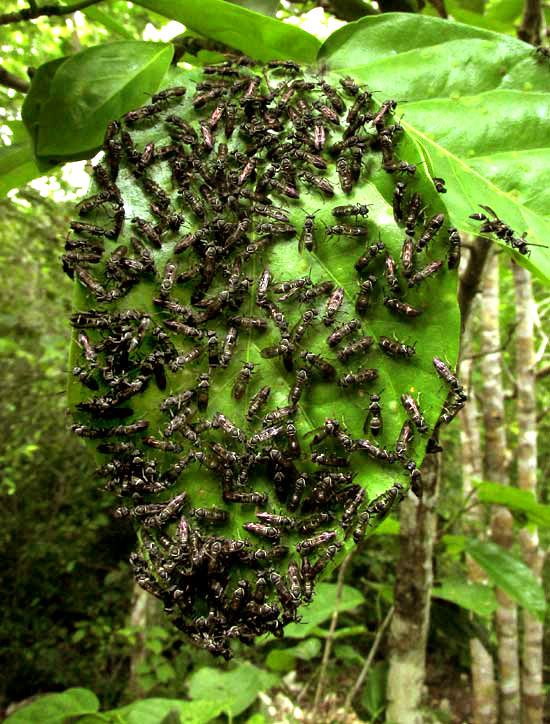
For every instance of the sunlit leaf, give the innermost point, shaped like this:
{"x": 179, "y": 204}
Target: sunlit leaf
{"x": 472, "y": 596}
{"x": 57, "y": 708}
{"x": 479, "y": 104}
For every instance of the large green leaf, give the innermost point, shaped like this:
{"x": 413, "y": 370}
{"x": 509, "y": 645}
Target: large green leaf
{"x": 321, "y": 609}
{"x": 520, "y": 501}
{"x": 91, "y": 88}
{"x": 479, "y": 104}
{"x": 235, "y": 690}
{"x": 57, "y": 708}
{"x": 261, "y": 37}
{"x": 511, "y": 574}
{"x": 265, "y": 7}
{"x": 475, "y": 597}
{"x": 435, "y": 332}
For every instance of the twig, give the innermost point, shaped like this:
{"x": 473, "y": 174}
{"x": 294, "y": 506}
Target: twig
{"x": 365, "y": 670}
{"x": 479, "y": 355}
{"x": 332, "y": 629}
{"x": 471, "y": 276}
{"x": 50, "y": 10}
{"x": 13, "y": 81}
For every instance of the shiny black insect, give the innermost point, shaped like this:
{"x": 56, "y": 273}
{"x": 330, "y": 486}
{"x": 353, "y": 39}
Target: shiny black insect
{"x": 343, "y": 331}
{"x": 373, "y": 419}
{"x": 407, "y": 256}
{"x": 250, "y": 498}
{"x": 284, "y": 350}
{"x": 402, "y": 308}
{"x": 451, "y": 379}
{"x": 404, "y": 440}
{"x": 267, "y": 434}
{"x": 242, "y": 380}
{"x": 359, "y": 378}
{"x": 265, "y": 531}
{"x": 257, "y": 402}
{"x": 370, "y": 254}
{"x": 213, "y": 516}
{"x": 307, "y": 546}
{"x": 439, "y": 184}
{"x": 296, "y": 391}
{"x": 347, "y": 230}
{"x": 321, "y": 184}
{"x": 326, "y": 370}
{"x": 282, "y": 521}
{"x": 425, "y": 273}
{"x": 350, "y": 210}
{"x": 360, "y": 346}
{"x": 453, "y": 257}
{"x": 395, "y": 348}
{"x": 307, "y": 237}
{"x": 302, "y": 325}
{"x": 330, "y": 460}
{"x": 333, "y": 305}
{"x": 413, "y": 411}
{"x": 364, "y": 298}
{"x": 432, "y": 227}
{"x": 390, "y": 270}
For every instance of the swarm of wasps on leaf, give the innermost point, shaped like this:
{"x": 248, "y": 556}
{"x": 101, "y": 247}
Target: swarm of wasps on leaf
{"x": 196, "y": 358}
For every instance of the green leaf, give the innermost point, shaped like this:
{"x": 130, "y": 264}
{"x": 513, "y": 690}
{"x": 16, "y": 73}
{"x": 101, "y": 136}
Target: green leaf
{"x": 505, "y": 11}
{"x": 101, "y": 17}
{"x": 521, "y": 501}
{"x": 258, "y": 36}
{"x": 90, "y": 89}
{"x": 510, "y": 574}
{"x": 154, "y": 645}
{"x": 236, "y": 690}
{"x": 472, "y": 596}
{"x": 478, "y": 103}
{"x": 165, "y": 672}
{"x": 38, "y": 95}
{"x": 373, "y": 696}
{"x": 321, "y": 609}
{"x": 17, "y": 164}
{"x": 389, "y": 526}
{"x": 265, "y": 7}
{"x": 283, "y": 659}
{"x": 153, "y": 710}
{"x": 56, "y": 708}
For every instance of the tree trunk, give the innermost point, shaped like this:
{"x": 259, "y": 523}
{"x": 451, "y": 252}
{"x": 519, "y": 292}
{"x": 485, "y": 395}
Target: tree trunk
{"x": 532, "y": 695}
{"x": 484, "y": 705}
{"x": 414, "y": 578}
{"x": 145, "y": 612}
{"x": 497, "y": 457}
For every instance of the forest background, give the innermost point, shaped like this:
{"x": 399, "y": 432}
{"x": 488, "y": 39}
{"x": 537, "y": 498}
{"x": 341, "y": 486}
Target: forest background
{"x": 71, "y": 616}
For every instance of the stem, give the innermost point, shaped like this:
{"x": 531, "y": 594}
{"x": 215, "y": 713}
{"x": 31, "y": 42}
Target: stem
{"x": 49, "y": 10}
{"x": 365, "y": 670}
{"x": 13, "y": 81}
{"x": 332, "y": 629}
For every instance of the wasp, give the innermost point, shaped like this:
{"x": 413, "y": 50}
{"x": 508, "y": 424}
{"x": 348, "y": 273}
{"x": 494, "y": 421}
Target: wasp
{"x": 265, "y": 531}
{"x": 413, "y": 411}
{"x": 374, "y": 451}
{"x": 333, "y": 305}
{"x": 343, "y": 331}
{"x": 445, "y": 373}
{"x": 413, "y": 213}
{"x": 453, "y": 257}
{"x": 256, "y": 403}
{"x": 351, "y": 210}
{"x": 282, "y": 521}
{"x": 390, "y": 270}
{"x": 371, "y": 252}
{"x": 359, "y": 378}
{"x": 279, "y": 414}
{"x": 321, "y": 184}
{"x": 326, "y": 370}
{"x": 426, "y": 272}
{"x": 307, "y": 546}
{"x": 214, "y": 516}
{"x": 404, "y": 440}
{"x": 374, "y": 416}
{"x": 402, "y": 308}
{"x": 284, "y": 350}
{"x": 432, "y": 227}
{"x": 347, "y": 230}
{"x": 349, "y": 85}
{"x": 267, "y": 434}
{"x": 307, "y": 238}
{"x": 228, "y": 427}
{"x": 360, "y": 346}
{"x": 344, "y": 174}
{"x": 351, "y": 508}
{"x": 395, "y": 348}
{"x": 302, "y": 378}
{"x": 301, "y": 326}
{"x": 243, "y": 378}
{"x": 318, "y": 290}
{"x": 236, "y": 496}
{"x": 407, "y": 256}
{"x": 144, "y": 112}
{"x": 331, "y": 460}
{"x": 363, "y": 301}
{"x": 439, "y": 184}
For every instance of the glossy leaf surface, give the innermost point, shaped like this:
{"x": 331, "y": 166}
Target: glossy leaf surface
{"x": 473, "y": 596}
{"x": 518, "y": 501}
{"x": 262, "y": 38}
{"x": 478, "y": 103}
{"x": 57, "y": 708}
{"x": 511, "y": 574}
{"x": 88, "y": 90}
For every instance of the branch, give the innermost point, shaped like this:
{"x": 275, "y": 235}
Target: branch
{"x": 471, "y": 276}
{"x": 531, "y": 23}
{"x": 365, "y": 670}
{"x": 332, "y": 629}
{"x": 13, "y": 81}
{"x": 49, "y": 10}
